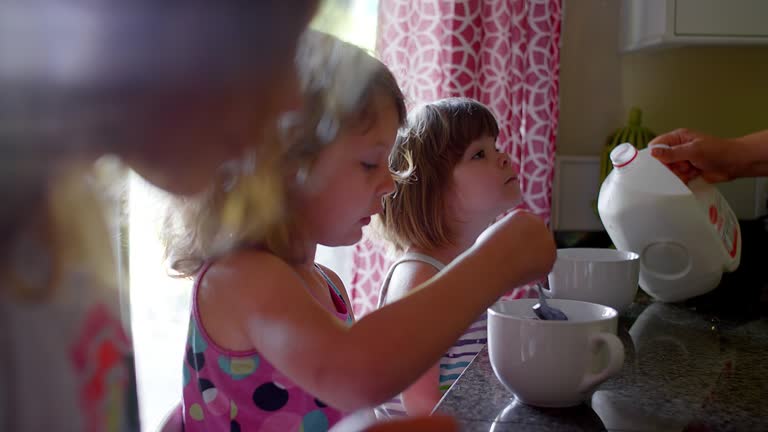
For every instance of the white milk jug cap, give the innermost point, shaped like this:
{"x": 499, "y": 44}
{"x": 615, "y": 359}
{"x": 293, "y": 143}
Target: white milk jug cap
{"x": 623, "y": 155}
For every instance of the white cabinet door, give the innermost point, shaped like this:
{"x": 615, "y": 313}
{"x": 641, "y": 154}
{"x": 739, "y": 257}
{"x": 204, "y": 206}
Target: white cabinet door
{"x": 725, "y": 18}
{"x": 665, "y": 23}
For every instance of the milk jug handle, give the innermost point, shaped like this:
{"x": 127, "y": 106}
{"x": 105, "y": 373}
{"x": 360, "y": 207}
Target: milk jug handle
{"x": 664, "y": 276}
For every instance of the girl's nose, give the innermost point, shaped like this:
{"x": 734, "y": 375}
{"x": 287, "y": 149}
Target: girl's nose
{"x": 503, "y": 160}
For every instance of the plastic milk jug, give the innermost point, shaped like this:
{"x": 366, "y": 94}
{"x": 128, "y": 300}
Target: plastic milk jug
{"x": 686, "y": 235}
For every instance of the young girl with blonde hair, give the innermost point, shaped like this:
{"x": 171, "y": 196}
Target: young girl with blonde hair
{"x": 272, "y": 342}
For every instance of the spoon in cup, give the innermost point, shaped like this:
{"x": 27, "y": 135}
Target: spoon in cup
{"x": 545, "y": 311}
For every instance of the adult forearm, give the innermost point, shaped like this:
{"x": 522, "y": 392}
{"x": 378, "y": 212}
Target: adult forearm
{"x": 755, "y": 154}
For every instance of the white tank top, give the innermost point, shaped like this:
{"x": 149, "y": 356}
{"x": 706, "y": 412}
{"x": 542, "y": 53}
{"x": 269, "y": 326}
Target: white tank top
{"x": 458, "y": 357}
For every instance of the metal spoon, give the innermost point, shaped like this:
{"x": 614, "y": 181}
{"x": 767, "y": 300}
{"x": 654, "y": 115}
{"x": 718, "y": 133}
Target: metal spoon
{"x": 545, "y": 311}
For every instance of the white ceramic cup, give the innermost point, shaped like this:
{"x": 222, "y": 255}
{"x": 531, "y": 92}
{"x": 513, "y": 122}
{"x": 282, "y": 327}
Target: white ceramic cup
{"x": 553, "y": 363}
{"x": 605, "y": 276}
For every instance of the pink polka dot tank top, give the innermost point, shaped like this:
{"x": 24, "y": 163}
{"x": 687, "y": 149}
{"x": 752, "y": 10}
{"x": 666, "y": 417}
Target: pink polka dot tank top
{"x": 237, "y": 391}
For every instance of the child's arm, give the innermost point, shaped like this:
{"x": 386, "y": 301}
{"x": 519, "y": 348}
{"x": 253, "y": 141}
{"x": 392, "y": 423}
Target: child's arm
{"x": 351, "y": 367}
{"x": 422, "y": 396}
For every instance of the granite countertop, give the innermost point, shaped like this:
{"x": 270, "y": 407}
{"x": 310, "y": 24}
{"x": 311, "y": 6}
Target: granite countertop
{"x": 686, "y": 369}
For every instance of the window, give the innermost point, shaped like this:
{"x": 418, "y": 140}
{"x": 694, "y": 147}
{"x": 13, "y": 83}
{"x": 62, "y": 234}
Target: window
{"x": 159, "y": 308}
{"x": 351, "y": 20}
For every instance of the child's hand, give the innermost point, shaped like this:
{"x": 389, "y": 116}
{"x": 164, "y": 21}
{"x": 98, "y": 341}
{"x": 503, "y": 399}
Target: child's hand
{"x": 519, "y": 238}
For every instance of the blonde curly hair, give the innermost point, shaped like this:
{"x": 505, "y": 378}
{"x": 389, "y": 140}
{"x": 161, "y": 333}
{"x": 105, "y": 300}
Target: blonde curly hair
{"x": 250, "y": 204}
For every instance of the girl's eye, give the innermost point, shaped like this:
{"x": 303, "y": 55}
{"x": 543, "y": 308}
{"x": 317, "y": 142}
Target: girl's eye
{"x": 368, "y": 166}
{"x": 479, "y": 155}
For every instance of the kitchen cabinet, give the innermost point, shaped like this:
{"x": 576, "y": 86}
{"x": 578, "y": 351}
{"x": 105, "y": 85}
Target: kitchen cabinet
{"x": 667, "y": 23}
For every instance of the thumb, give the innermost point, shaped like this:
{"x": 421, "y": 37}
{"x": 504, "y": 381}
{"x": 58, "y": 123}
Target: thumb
{"x": 668, "y": 155}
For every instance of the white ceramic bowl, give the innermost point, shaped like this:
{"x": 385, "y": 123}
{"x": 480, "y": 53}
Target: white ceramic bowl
{"x": 604, "y": 276}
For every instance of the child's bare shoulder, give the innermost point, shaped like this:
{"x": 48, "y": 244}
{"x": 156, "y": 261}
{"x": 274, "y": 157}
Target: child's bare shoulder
{"x": 408, "y": 276}
{"x": 244, "y": 269}
{"x": 414, "y": 272}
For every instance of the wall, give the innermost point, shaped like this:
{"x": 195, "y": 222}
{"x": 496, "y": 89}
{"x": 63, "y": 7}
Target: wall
{"x": 590, "y": 76}
{"x": 722, "y": 90}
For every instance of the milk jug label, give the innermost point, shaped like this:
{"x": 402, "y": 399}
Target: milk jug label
{"x": 726, "y": 225}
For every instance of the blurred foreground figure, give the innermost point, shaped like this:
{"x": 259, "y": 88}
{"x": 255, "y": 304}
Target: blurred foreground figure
{"x": 174, "y": 89}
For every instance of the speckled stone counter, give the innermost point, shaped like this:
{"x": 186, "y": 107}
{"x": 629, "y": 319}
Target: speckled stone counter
{"x": 685, "y": 370}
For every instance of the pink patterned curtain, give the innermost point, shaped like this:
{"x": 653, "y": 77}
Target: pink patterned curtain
{"x": 504, "y": 53}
